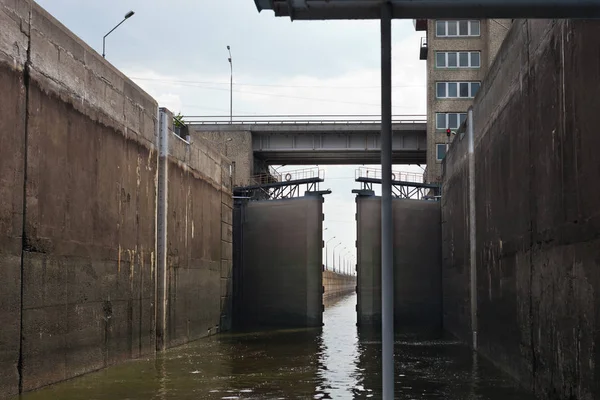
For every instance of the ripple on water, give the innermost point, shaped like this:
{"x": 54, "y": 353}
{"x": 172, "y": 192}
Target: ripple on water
{"x": 335, "y": 362}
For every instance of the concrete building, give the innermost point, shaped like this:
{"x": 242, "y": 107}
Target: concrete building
{"x": 458, "y": 55}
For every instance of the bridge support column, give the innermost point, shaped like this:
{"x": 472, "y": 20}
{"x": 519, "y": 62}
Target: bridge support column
{"x": 387, "y": 252}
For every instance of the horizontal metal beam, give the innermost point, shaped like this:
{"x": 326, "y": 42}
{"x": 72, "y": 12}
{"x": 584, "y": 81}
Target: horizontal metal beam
{"x": 309, "y": 128}
{"x": 414, "y": 9}
{"x": 400, "y": 183}
{"x": 279, "y": 184}
{"x": 340, "y": 158}
{"x": 300, "y": 119}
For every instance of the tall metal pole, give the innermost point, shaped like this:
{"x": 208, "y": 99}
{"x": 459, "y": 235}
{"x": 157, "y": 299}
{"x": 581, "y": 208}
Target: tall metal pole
{"x": 472, "y": 226}
{"x": 127, "y": 16}
{"x": 387, "y": 255}
{"x": 230, "y": 86}
{"x": 333, "y": 257}
{"x": 340, "y": 259}
{"x": 161, "y": 229}
{"x": 327, "y": 259}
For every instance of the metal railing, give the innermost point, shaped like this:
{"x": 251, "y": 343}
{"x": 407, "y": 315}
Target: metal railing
{"x": 274, "y": 173}
{"x": 300, "y": 119}
{"x": 402, "y": 176}
{"x": 305, "y": 173}
{"x": 275, "y": 176}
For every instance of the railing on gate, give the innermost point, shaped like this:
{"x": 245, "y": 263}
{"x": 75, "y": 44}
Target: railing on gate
{"x": 267, "y": 187}
{"x": 301, "y": 174}
{"x": 401, "y": 176}
{"x": 405, "y": 185}
{"x": 299, "y": 119}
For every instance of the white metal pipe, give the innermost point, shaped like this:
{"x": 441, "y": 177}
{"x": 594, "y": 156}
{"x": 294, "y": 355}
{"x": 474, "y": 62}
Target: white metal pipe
{"x": 387, "y": 250}
{"x": 472, "y": 227}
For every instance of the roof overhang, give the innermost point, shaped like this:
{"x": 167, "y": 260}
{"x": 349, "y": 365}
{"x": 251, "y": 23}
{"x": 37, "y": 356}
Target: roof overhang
{"x": 420, "y": 9}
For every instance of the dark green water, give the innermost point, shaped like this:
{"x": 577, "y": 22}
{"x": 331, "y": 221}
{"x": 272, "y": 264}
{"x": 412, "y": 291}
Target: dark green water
{"x": 330, "y": 363}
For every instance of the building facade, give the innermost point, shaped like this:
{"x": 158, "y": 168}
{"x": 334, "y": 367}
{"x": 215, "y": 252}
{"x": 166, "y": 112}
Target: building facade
{"x": 458, "y": 54}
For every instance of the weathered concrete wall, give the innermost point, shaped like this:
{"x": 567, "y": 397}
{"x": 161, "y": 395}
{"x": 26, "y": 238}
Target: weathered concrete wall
{"x": 417, "y": 262}
{"x": 236, "y": 146}
{"x": 13, "y": 48}
{"x": 198, "y": 241}
{"x": 278, "y": 275}
{"x": 455, "y": 241}
{"x": 537, "y": 210}
{"x": 335, "y": 285}
{"x": 78, "y": 210}
{"x": 88, "y": 286}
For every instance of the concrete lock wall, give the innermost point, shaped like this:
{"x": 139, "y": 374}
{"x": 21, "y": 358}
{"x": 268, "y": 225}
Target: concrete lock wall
{"x": 417, "y": 262}
{"x": 337, "y": 285}
{"x": 199, "y": 241}
{"x": 78, "y": 189}
{"x": 236, "y": 146}
{"x": 537, "y": 211}
{"x": 278, "y": 275}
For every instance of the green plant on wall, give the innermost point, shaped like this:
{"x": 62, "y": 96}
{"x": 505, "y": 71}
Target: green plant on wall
{"x": 178, "y": 121}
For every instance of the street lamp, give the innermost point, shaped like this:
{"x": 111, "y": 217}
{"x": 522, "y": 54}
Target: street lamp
{"x": 341, "y": 253}
{"x": 230, "y": 86}
{"x": 333, "y": 258}
{"x": 346, "y": 261}
{"x": 348, "y": 252}
{"x": 326, "y": 259}
{"x": 128, "y": 15}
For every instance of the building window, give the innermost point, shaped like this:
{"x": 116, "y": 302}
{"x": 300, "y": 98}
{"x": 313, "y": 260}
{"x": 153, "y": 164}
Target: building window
{"x": 456, "y": 59}
{"x": 440, "y": 151}
{"x": 456, "y": 90}
{"x": 449, "y": 120}
{"x": 457, "y": 28}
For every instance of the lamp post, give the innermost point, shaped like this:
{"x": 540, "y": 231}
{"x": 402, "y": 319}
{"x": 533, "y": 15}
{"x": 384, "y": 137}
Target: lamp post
{"x": 346, "y": 254}
{"x": 349, "y": 263}
{"x": 326, "y": 259}
{"x": 333, "y": 257}
{"x": 230, "y": 86}
{"x": 342, "y": 263}
{"x": 342, "y": 256}
{"x": 127, "y": 16}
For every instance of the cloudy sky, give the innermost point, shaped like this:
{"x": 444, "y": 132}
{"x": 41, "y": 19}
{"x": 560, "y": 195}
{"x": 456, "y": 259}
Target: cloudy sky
{"x": 176, "y": 51}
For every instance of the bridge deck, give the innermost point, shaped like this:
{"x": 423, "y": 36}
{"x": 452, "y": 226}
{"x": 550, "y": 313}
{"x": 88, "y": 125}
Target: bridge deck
{"x": 325, "y": 141}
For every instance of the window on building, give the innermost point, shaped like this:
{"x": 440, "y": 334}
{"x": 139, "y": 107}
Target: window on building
{"x": 455, "y": 59}
{"x": 457, "y": 28}
{"x": 440, "y": 59}
{"x": 440, "y": 28}
{"x": 449, "y": 120}
{"x": 460, "y": 90}
{"x": 440, "y": 151}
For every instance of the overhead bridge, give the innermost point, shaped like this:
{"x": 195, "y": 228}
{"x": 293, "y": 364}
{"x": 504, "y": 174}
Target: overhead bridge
{"x": 331, "y": 139}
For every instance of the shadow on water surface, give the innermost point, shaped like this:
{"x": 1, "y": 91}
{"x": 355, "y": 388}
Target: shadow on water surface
{"x": 335, "y": 362}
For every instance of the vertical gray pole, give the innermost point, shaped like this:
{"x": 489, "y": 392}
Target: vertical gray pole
{"x": 472, "y": 226}
{"x": 387, "y": 252}
{"x": 161, "y": 230}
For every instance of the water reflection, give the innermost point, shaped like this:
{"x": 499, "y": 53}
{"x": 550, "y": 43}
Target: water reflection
{"x": 335, "y": 362}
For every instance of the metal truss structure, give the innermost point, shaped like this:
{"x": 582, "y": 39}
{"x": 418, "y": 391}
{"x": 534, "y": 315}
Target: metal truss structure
{"x": 405, "y": 185}
{"x": 292, "y": 184}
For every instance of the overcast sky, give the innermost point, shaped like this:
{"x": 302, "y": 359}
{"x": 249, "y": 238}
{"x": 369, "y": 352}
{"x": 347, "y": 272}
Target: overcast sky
{"x": 176, "y": 51}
